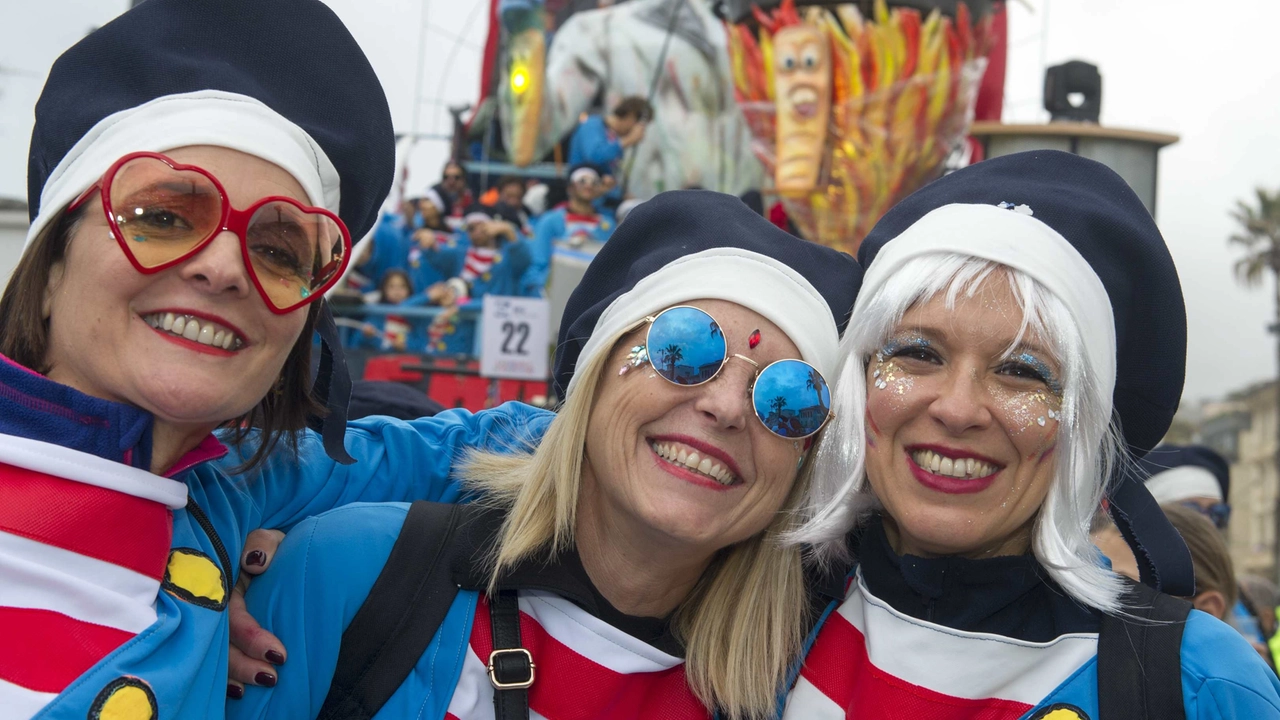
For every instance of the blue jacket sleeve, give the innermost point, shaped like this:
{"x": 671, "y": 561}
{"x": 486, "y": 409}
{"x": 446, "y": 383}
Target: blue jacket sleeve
{"x": 1222, "y": 675}
{"x": 396, "y": 460}
{"x": 594, "y": 144}
{"x": 534, "y": 279}
{"x": 320, "y": 577}
{"x": 447, "y": 257}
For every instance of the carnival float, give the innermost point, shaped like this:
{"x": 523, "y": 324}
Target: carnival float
{"x": 835, "y": 111}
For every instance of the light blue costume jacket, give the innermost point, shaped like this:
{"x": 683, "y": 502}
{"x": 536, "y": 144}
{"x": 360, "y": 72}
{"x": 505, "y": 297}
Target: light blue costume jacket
{"x": 394, "y": 247}
{"x": 183, "y": 655}
{"x": 302, "y": 602}
{"x": 554, "y": 225}
{"x": 593, "y": 142}
{"x": 1223, "y": 678}
{"x": 503, "y": 278}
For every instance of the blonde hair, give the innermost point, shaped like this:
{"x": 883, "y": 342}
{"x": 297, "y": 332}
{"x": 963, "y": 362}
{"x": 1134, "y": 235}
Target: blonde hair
{"x": 1209, "y": 553}
{"x": 742, "y": 624}
{"x": 1088, "y": 452}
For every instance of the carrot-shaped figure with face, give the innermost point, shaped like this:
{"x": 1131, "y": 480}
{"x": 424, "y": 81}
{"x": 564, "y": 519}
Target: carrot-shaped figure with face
{"x": 802, "y": 96}
{"x": 524, "y": 31}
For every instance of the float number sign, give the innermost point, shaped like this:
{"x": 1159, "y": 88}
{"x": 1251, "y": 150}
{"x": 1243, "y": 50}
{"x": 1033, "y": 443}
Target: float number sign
{"x": 515, "y": 342}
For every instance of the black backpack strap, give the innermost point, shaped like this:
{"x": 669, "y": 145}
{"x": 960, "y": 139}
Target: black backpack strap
{"x": 403, "y": 611}
{"x": 1140, "y": 658}
{"x": 510, "y": 664}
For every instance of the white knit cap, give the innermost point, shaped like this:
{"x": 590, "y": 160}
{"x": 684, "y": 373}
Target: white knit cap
{"x": 207, "y": 117}
{"x": 1183, "y": 482}
{"x": 1012, "y": 237}
{"x": 754, "y": 281}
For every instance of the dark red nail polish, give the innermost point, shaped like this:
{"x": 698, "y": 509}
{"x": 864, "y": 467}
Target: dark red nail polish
{"x": 265, "y": 679}
{"x": 275, "y": 658}
{"x": 257, "y": 558}
{"x": 235, "y": 692}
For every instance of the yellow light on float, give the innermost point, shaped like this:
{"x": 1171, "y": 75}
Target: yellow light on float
{"x": 519, "y": 79}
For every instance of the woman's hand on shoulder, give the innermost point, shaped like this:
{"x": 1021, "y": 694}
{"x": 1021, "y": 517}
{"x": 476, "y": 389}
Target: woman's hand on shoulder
{"x": 254, "y": 652}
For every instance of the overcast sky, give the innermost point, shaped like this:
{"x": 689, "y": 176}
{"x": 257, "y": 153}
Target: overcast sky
{"x": 1204, "y": 71}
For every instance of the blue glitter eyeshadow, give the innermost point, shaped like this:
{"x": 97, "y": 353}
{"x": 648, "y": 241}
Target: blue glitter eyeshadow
{"x": 893, "y": 346}
{"x": 1035, "y": 363}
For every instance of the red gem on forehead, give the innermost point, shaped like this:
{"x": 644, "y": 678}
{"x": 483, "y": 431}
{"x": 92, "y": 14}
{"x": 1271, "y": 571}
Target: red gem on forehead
{"x": 753, "y": 340}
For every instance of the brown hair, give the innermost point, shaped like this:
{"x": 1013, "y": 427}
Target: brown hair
{"x": 506, "y": 180}
{"x": 24, "y": 339}
{"x": 634, "y": 106}
{"x": 1209, "y": 552}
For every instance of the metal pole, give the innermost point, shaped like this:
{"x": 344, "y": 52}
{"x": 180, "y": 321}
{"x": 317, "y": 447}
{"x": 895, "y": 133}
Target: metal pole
{"x": 653, "y": 88}
{"x": 417, "y": 78}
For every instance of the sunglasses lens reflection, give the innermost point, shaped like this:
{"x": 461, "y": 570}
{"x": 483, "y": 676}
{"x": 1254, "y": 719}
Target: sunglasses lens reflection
{"x": 792, "y": 399}
{"x": 686, "y": 346}
{"x": 293, "y": 252}
{"x": 162, "y": 213}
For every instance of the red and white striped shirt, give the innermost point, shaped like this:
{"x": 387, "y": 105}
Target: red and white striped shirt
{"x": 84, "y": 544}
{"x": 585, "y": 669}
{"x": 871, "y": 661}
{"x": 477, "y": 263}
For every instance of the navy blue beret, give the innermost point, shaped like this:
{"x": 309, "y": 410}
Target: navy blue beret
{"x": 679, "y": 223}
{"x": 295, "y": 56}
{"x": 1096, "y": 211}
{"x": 1167, "y": 457}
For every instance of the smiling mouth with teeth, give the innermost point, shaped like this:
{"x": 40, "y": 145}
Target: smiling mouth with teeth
{"x": 205, "y": 332}
{"x": 678, "y": 454}
{"x": 964, "y": 468}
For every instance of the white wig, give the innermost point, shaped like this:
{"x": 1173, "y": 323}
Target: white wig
{"x": 1088, "y": 445}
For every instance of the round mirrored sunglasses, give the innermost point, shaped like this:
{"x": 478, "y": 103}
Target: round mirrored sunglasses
{"x": 685, "y": 346}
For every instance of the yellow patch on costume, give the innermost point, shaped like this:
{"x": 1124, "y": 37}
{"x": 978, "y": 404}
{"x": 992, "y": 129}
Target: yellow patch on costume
{"x": 125, "y": 698}
{"x": 1060, "y": 712}
{"x": 194, "y": 577}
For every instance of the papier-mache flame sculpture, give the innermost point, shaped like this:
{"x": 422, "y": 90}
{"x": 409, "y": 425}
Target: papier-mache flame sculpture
{"x": 849, "y": 114}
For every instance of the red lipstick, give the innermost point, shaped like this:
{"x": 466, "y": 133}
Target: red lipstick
{"x": 946, "y": 483}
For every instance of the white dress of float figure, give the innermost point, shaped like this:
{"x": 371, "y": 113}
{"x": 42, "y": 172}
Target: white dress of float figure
{"x": 697, "y": 137}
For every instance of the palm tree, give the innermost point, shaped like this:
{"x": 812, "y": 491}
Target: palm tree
{"x": 1259, "y": 235}
{"x": 671, "y": 355}
{"x": 814, "y": 383}
{"x": 777, "y": 404}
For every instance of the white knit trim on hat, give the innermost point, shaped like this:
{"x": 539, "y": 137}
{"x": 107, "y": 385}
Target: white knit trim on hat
{"x": 1020, "y": 241}
{"x": 207, "y": 117}
{"x": 584, "y": 172}
{"x": 754, "y": 281}
{"x": 1183, "y": 482}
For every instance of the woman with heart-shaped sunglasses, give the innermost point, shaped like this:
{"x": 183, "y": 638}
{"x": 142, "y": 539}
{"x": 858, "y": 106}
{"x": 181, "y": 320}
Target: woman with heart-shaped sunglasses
{"x": 197, "y": 171}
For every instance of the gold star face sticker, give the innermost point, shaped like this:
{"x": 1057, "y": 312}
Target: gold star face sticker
{"x": 194, "y": 577}
{"x": 125, "y": 698}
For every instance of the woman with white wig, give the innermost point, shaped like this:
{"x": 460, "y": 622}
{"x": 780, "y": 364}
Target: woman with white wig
{"x": 1019, "y": 330}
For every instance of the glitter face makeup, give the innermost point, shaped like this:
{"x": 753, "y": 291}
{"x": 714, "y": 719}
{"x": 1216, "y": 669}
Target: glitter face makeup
{"x": 961, "y": 431}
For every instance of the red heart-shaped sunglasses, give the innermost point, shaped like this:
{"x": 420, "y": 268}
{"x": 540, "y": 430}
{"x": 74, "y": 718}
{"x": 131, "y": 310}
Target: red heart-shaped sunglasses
{"x": 162, "y": 212}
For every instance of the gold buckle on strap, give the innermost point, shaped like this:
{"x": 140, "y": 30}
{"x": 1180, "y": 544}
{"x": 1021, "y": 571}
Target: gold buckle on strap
{"x": 519, "y": 684}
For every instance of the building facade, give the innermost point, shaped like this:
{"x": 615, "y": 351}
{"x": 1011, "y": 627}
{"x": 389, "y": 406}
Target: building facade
{"x": 1243, "y": 429}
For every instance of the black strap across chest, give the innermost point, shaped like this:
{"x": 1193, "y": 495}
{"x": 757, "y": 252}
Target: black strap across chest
{"x": 510, "y": 665}
{"x": 1140, "y": 658}
{"x": 394, "y": 626}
